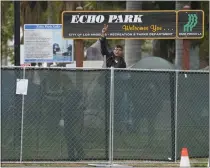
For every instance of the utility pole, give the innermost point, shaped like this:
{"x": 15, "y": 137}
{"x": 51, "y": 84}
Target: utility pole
{"x": 17, "y": 109}
{"x": 17, "y": 32}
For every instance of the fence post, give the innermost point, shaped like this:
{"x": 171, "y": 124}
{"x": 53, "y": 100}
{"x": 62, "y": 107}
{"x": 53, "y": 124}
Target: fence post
{"x": 106, "y": 107}
{"x": 176, "y": 113}
{"x": 209, "y": 135}
{"x": 22, "y": 119}
{"x": 172, "y": 97}
{"x": 17, "y": 116}
{"x": 111, "y": 121}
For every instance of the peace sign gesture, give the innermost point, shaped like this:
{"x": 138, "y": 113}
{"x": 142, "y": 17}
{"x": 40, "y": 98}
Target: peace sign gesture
{"x": 104, "y": 30}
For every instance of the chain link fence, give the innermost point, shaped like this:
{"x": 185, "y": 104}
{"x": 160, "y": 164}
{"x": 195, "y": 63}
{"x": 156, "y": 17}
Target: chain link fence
{"x": 143, "y": 109}
{"x": 193, "y": 113}
{"x": 11, "y": 107}
{"x": 103, "y": 114}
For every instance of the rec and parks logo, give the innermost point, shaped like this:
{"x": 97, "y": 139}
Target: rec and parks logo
{"x": 192, "y": 22}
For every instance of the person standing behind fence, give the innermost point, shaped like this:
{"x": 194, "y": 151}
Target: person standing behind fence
{"x": 115, "y": 58}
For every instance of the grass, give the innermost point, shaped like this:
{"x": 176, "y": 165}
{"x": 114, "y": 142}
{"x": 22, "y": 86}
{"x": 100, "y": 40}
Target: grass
{"x": 45, "y": 165}
{"x": 200, "y": 163}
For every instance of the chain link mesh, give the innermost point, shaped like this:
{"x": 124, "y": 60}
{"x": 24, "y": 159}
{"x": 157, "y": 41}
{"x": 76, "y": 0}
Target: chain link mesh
{"x": 193, "y": 113}
{"x": 11, "y": 109}
{"x": 66, "y": 114}
{"x": 143, "y": 128}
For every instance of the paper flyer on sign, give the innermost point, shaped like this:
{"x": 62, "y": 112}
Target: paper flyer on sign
{"x": 22, "y": 86}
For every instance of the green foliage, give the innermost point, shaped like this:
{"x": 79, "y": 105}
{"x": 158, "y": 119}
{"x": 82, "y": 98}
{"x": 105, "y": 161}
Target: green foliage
{"x": 104, "y": 5}
{"x": 165, "y": 5}
{"x": 44, "y": 16}
{"x": 7, "y": 28}
{"x": 147, "y": 46}
{"x": 57, "y": 8}
{"x": 53, "y": 12}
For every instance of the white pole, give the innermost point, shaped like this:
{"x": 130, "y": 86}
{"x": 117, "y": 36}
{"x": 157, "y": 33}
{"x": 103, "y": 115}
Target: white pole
{"x": 110, "y": 126}
{"x": 111, "y": 117}
{"x": 209, "y": 128}
{"x": 176, "y": 112}
{"x": 112, "y": 82}
{"x": 21, "y": 141}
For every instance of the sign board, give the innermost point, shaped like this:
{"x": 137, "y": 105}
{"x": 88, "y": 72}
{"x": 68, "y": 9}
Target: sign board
{"x": 155, "y": 24}
{"x": 190, "y": 24}
{"x": 122, "y": 24}
{"x": 22, "y": 57}
{"x": 44, "y": 43}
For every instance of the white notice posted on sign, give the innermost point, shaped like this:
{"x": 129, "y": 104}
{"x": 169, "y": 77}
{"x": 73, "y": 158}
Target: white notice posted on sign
{"x": 22, "y": 86}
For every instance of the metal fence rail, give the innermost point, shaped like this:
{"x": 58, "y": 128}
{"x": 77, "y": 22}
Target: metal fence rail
{"x": 104, "y": 114}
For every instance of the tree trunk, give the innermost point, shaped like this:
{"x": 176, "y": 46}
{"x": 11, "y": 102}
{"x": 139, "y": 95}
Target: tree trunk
{"x": 49, "y": 21}
{"x": 133, "y": 47}
{"x": 156, "y": 48}
{"x": 50, "y": 12}
{"x": 163, "y": 50}
{"x": 194, "y": 58}
{"x": 69, "y": 5}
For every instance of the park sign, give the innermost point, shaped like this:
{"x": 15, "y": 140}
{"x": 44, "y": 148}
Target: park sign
{"x": 122, "y": 24}
{"x": 155, "y": 24}
{"x": 43, "y": 43}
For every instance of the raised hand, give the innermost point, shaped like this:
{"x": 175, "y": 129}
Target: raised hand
{"x": 104, "y": 30}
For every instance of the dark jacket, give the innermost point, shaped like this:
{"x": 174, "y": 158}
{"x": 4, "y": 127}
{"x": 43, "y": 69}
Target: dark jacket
{"x": 111, "y": 59}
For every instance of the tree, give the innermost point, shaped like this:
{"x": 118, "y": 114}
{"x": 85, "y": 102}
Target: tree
{"x": 7, "y": 30}
{"x": 164, "y": 48}
{"x": 133, "y": 47}
{"x": 33, "y": 12}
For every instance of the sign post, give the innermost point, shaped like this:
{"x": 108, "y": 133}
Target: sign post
{"x": 79, "y": 48}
